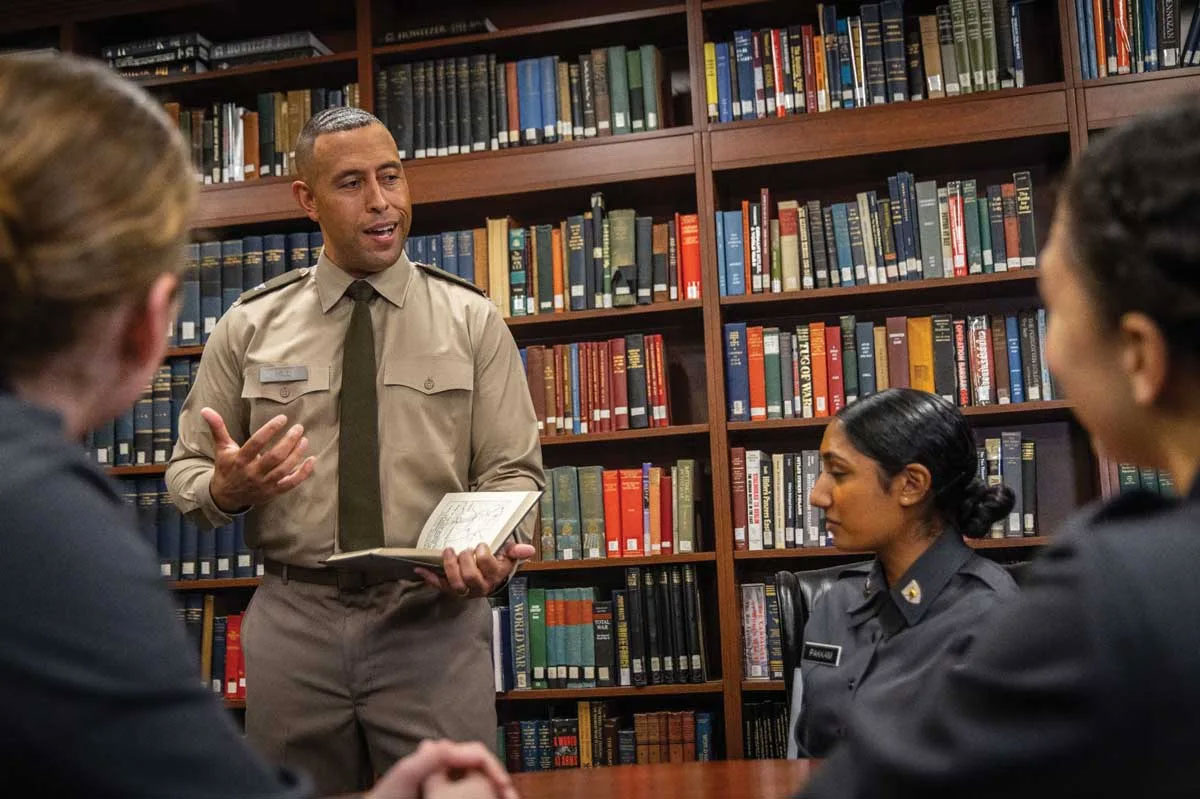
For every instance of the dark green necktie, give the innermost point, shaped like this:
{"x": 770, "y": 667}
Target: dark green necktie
{"x": 360, "y": 510}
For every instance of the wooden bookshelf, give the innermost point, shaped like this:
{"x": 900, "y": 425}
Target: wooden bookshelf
{"x": 149, "y": 470}
{"x": 993, "y": 131}
{"x": 185, "y": 352}
{"x": 833, "y": 552}
{"x": 235, "y": 704}
{"x": 563, "y": 694}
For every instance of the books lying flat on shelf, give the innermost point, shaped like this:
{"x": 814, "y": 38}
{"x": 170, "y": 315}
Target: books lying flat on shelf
{"x": 461, "y": 521}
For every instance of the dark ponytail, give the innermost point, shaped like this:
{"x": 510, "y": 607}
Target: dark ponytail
{"x": 901, "y": 426}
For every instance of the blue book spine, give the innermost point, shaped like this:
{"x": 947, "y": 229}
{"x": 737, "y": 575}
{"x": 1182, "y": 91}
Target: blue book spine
{"x": 123, "y": 439}
{"x": 226, "y": 551}
{"x": 1085, "y": 58}
{"x": 743, "y": 50}
{"x": 169, "y": 533}
{"x": 529, "y": 100}
{"x": 231, "y": 272}
{"x": 189, "y": 324}
{"x": 420, "y": 252}
{"x": 847, "y": 70}
{"x": 518, "y": 607}
{"x": 252, "y": 262}
{"x": 545, "y": 745}
{"x": 704, "y": 737}
{"x": 316, "y": 243}
{"x": 1014, "y": 10}
{"x": 725, "y": 97}
{"x": 103, "y": 438}
{"x": 841, "y": 233}
{"x": 243, "y": 565}
{"x": 832, "y": 56}
{"x": 908, "y": 194}
{"x": 579, "y": 262}
{"x": 433, "y": 250}
{"x": 529, "y": 747}
{"x": 210, "y": 287}
{"x": 206, "y": 552}
{"x": 1150, "y": 29}
{"x": 189, "y": 553}
{"x": 274, "y": 255}
{"x": 508, "y": 676}
{"x": 735, "y": 260}
{"x": 147, "y": 510}
{"x": 297, "y": 250}
{"x": 449, "y": 256}
{"x": 466, "y": 255}
{"x": 737, "y": 373}
{"x": 577, "y": 424}
{"x": 722, "y": 277}
{"x": 1016, "y": 383}
{"x": 549, "y": 97}
{"x": 864, "y": 332}
{"x": 216, "y": 681}
{"x": 1047, "y": 378}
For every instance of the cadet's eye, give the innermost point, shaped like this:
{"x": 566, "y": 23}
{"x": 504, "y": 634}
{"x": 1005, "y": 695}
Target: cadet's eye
{"x": 391, "y": 180}
{"x": 352, "y": 183}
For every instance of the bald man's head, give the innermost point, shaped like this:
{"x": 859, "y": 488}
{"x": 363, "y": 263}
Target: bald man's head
{"x": 331, "y": 120}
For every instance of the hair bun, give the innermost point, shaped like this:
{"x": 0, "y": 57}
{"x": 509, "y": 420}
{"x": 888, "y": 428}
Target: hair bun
{"x": 982, "y": 506}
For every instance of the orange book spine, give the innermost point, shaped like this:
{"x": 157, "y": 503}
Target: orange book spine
{"x": 651, "y": 379}
{"x": 656, "y": 500}
{"x": 664, "y": 413}
{"x": 611, "y": 487}
{"x": 820, "y": 369}
{"x": 757, "y": 373}
{"x": 556, "y": 240}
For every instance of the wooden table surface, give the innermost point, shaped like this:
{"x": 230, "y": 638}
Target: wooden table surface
{"x": 723, "y": 779}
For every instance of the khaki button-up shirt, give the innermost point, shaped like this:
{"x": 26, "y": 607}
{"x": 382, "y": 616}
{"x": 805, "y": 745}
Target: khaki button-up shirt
{"x": 454, "y": 407}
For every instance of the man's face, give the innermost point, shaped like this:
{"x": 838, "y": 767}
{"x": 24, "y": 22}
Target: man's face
{"x": 360, "y": 198}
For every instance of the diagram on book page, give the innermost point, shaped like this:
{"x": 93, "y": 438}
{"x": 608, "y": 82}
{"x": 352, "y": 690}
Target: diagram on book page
{"x": 465, "y": 523}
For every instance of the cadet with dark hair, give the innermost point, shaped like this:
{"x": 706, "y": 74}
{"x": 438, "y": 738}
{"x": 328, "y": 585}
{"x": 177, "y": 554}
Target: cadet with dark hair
{"x": 336, "y": 406}
{"x": 898, "y": 479}
{"x": 1085, "y": 685}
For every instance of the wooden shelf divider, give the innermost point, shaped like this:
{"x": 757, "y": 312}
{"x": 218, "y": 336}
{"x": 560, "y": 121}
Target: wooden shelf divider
{"x": 588, "y": 564}
{"x": 563, "y": 694}
{"x": 217, "y": 584}
{"x": 833, "y": 552}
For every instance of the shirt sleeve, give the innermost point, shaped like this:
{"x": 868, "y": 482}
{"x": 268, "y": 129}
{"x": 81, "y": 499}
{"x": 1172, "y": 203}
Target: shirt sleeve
{"x": 1019, "y": 712}
{"x": 218, "y": 386}
{"x": 101, "y": 687}
{"x": 505, "y": 452}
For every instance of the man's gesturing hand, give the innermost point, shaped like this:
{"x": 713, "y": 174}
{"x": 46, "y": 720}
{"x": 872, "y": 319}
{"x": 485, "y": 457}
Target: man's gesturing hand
{"x": 251, "y": 474}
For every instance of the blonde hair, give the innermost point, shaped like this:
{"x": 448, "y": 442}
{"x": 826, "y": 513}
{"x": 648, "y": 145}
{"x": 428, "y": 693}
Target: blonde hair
{"x": 96, "y": 195}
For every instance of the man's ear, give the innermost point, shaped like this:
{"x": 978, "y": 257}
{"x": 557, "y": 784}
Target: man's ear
{"x": 149, "y": 322}
{"x": 912, "y": 485}
{"x": 305, "y": 199}
{"x": 1145, "y": 357}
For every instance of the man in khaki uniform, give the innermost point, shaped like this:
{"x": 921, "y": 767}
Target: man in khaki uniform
{"x": 347, "y": 672}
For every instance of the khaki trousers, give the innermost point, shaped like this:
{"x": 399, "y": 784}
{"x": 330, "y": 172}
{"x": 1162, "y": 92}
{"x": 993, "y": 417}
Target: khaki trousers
{"x": 341, "y": 684}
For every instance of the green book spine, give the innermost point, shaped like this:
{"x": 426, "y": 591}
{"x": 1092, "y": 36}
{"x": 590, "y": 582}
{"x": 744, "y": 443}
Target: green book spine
{"x": 776, "y": 258}
{"x": 1148, "y": 478}
{"x": 546, "y": 522}
{"x": 537, "y": 637}
{"x": 685, "y": 510}
{"x": 971, "y": 223}
{"x": 987, "y": 25}
{"x": 618, "y": 89}
{"x": 975, "y": 43}
{"x": 517, "y": 285}
{"x": 622, "y": 248}
{"x": 566, "y": 513}
{"x": 985, "y": 233}
{"x": 771, "y": 367}
{"x": 591, "y": 510}
{"x": 849, "y": 358}
{"x": 962, "y": 56}
{"x": 650, "y": 78}
{"x": 637, "y": 100}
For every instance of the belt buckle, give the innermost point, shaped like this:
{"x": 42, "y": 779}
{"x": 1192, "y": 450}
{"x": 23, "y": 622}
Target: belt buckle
{"x": 351, "y": 580}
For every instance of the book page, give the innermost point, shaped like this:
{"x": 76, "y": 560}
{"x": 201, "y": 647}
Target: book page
{"x": 462, "y": 521}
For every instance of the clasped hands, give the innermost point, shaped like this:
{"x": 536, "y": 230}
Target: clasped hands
{"x": 446, "y": 770}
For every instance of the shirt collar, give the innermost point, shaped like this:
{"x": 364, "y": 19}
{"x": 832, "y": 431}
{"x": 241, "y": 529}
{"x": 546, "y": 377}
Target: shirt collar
{"x": 391, "y": 283}
{"x": 915, "y": 591}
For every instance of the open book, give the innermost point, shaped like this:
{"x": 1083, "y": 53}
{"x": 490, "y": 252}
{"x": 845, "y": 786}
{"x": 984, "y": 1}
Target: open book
{"x": 461, "y": 521}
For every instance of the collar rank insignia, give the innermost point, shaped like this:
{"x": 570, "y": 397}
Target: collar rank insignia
{"x": 912, "y": 592}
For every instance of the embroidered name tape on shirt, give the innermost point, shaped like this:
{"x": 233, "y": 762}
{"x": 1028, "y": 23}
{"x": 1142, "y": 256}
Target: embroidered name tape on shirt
{"x": 825, "y": 654}
{"x": 282, "y": 374}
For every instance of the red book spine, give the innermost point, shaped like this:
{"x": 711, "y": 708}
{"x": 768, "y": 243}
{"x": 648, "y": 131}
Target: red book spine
{"x": 757, "y": 373}
{"x": 737, "y": 478}
{"x": 585, "y": 392}
{"x": 567, "y": 413}
{"x": 651, "y": 381}
{"x": 961, "y": 362}
{"x": 620, "y": 389}
{"x": 958, "y": 234}
{"x": 777, "y": 56}
{"x": 631, "y": 512}
{"x": 604, "y": 370}
{"x": 667, "y": 534}
{"x": 833, "y": 351}
{"x": 233, "y": 655}
{"x": 559, "y": 419}
{"x": 611, "y": 485}
{"x": 663, "y": 383}
{"x": 810, "y": 77}
{"x": 689, "y": 255}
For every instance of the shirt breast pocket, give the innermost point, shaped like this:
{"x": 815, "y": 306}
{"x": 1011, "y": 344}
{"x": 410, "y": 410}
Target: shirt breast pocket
{"x": 269, "y": 394}
{"x": 431, "y": 399}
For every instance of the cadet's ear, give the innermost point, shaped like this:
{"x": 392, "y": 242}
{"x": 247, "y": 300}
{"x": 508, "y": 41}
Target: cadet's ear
{"x": 304, "y": 197}
{"x": 912, "y": 485}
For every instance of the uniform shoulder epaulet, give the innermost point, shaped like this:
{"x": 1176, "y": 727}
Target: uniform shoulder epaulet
{"x": 286, "y": 279}
{"x": 444, "y": 275}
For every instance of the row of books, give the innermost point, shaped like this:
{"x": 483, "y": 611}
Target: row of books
{"x": 982, "y": 359}
{"x": 772, "y": 492}
{"x": 218, "y": 644}
{"x": 765, "y": 730}
{"x": 1117, "y": 37}
{"x": 917, "y": 230}
{"x": 598, "y": 259}
{"x": 185, "y": 550}
{"x": 145, "y": 434}
{"x": 231, "y": 144}
{"x": 865, "y": 59}
{"x": 473, "y": 103}
{"x": 593, "y": 738}
{"x": 599, "y": 386}
{"x": 1131, "y": 477}
{"x": 218, "y": 272}
{"x": 650, "y": 632}
{"x": 191, "y": 53}
{"x": 593, "y": 512}
{"x": 762, "y": 643}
